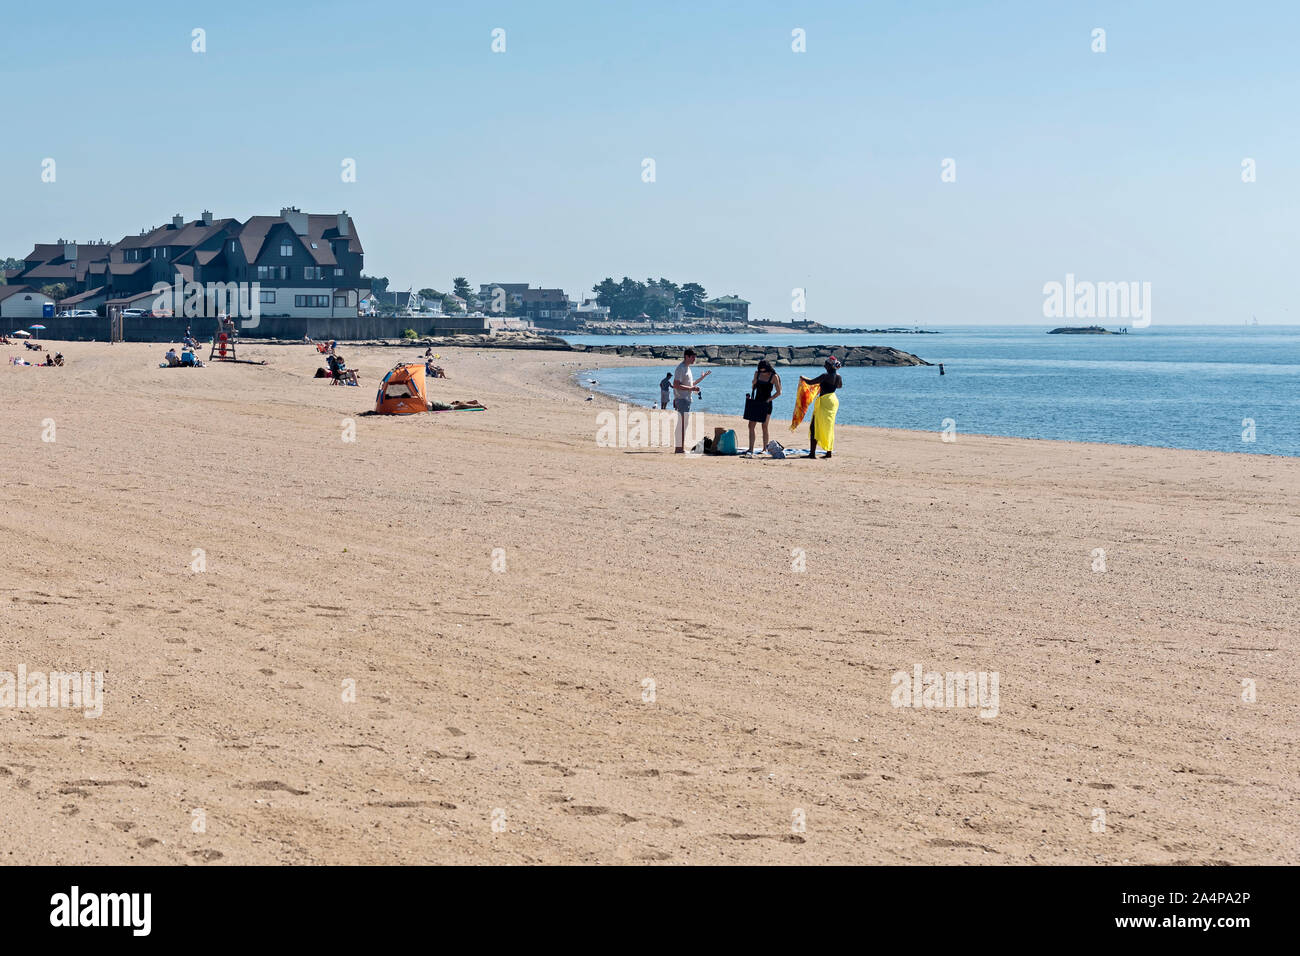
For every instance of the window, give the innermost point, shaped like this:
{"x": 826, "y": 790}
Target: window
{"x": 272, "y": 272}
{"x": 338, "y": 272}
{"x": 312, "y": 272}
{"x": 164, "y": 252}
{"x": 286, "y": 248}
{"x": 234, "y": 243}
{"x": 267, "y": 298}
{"x": 311, "y": 301}
{"x": 340, "y": 300}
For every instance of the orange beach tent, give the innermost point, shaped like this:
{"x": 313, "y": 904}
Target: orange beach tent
{"x": 402, "y": 391}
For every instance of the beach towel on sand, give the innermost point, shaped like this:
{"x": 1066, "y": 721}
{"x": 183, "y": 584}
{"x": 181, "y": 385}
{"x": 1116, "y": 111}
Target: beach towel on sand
{"x": 823, "y": 420}
{"x": 802, "y": 399}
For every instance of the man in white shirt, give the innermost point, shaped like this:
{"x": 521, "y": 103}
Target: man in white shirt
{"x": 684, "y": 388}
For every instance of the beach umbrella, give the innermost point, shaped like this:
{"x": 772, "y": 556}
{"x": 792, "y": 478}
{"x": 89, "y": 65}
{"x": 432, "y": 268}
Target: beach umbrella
{"x": 35, "y": 328}
{"x": 26, "y": 335}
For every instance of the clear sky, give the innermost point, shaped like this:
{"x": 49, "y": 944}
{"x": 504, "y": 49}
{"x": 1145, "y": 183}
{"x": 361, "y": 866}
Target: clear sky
{"x": 774, "y": 169}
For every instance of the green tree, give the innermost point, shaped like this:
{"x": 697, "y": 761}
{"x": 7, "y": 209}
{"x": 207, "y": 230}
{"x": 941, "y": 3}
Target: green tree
{"x": 460, "y": 286}
{"x": 629, "y": 300}
{"x": 450, "y": 305}
{"x": 8, "y": 265}
{"x": 430, "y": 294}
{"x": 606, "y": 291}
{"x": 690, "y": 295}
{"x": 55, "y": 291}
{"x": 377, "y": 283}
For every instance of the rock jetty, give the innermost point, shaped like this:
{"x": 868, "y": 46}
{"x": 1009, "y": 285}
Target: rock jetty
{"x": 799, "y": 355}
{"x": 776, "y": 354}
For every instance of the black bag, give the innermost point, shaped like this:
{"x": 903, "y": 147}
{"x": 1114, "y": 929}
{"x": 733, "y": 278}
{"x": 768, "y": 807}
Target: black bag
{"x": 756, "y": 411}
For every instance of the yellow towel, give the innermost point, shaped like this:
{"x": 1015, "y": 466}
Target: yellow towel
{"x": 823, "y": 422}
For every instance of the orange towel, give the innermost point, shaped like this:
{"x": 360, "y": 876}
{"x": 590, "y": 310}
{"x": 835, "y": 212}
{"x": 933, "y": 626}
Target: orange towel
{"x": 806, "y": 395}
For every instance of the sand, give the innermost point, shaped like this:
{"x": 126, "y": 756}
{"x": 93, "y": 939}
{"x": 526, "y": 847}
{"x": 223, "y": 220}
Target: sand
{"x": 504, "y": 716}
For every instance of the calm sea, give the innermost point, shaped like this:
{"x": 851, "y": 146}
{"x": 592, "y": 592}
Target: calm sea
{"x": 1205, "y": 387}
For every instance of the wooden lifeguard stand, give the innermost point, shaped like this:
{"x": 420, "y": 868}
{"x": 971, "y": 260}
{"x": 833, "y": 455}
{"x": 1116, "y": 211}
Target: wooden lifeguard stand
{"x": 223, "y": 343}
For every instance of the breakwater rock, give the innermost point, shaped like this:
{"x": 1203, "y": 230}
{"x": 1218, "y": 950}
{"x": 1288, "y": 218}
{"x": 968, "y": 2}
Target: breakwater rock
{"x": 801, "y": 355}
{"x": 855, "y": 355}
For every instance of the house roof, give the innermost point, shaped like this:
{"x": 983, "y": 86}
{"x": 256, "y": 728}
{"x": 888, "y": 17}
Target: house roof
{"x": 53, "y": 270}
{"x": 134, "y": 297}
{"x": 544, "y": 295}
{"x": 10, "y": 290}
{"x": 320, "y": 229}
{"x": 727, "y": 300}
{"x": 74, "y": 299}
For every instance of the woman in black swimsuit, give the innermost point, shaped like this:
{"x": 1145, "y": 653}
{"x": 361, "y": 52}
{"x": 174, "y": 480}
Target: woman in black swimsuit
{"x": 766, "y": 388}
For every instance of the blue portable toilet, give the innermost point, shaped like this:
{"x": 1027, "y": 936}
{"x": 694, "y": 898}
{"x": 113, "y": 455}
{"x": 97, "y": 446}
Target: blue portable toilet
{"x": 47, "y": 310}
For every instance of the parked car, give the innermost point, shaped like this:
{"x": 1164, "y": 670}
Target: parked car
{"x": 134, "y": 313}
{"x": 78, "y": 314}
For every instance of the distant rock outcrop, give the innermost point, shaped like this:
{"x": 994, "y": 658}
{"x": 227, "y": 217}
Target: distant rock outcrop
{"x": 1082, "y": 330}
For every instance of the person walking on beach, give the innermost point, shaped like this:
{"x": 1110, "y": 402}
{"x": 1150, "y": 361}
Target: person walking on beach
{"x": 765, "y": 389}
{"x": 822, "y": 427}
{"x": 684, "y": 388}
{"x": 665, "y": 389}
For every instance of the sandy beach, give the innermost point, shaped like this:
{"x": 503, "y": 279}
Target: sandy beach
{"x": 643, "y": 672}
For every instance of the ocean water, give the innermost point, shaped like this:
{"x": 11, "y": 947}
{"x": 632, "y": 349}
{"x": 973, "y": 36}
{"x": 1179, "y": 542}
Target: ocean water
{"x": 1217, "y": 388}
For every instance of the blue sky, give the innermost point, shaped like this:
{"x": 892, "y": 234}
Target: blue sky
{"x": 774, "y": 169}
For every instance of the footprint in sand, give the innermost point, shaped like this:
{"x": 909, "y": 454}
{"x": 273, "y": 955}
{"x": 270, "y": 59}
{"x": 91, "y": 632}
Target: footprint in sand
{"x": 270, "y": 785}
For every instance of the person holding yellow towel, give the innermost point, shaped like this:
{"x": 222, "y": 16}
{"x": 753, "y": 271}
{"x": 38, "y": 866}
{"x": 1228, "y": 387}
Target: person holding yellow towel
{"x": 821, "y": 430}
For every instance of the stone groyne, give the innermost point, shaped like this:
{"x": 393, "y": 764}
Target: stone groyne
{"x": 802, "y": 355}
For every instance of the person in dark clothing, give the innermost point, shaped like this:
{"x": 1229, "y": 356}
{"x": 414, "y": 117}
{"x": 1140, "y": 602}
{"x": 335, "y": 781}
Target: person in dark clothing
{"x": 766, "y": 388}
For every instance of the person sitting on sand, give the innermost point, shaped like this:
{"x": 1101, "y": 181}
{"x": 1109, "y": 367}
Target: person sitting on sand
{"x": 821, "y": 428}
{"x": 58, "y": 358}
{"x": 172, "y": 358}
{"x": 49, "y": 360}
{"x": 766, "y": 387}
{"x": 344, "y": 374}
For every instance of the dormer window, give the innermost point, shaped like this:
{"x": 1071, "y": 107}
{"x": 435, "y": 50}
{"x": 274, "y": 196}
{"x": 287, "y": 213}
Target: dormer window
{"x": 314, "y": 246}
{"x": 286, "y": 248}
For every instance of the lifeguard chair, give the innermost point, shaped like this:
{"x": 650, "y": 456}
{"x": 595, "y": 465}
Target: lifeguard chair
{"x": 223, "y": 343}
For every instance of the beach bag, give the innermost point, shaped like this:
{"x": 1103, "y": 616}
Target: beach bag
{"x": 754, "y": 409}
{"x": 775, "y": 449}
{"x": 726, "y": 445}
